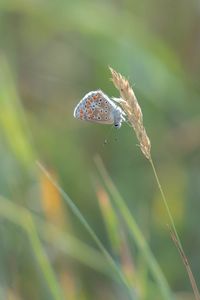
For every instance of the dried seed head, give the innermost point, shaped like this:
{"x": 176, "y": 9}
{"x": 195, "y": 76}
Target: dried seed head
{"x": 133, "y": 111}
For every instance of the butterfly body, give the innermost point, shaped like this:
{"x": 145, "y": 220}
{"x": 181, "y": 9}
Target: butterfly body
{"x": 97, "y": 107}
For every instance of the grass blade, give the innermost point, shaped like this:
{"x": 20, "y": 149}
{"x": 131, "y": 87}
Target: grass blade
{"x": 51, "y": 234}
{"x": 83, "y": 221}
{"x": 135, "y": 232}
{"x": 24, "y": 219}
{"x": 12, "y": 118}
{"x": 110, "y": 218}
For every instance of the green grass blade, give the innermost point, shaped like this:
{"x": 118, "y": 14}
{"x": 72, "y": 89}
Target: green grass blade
{"x": 110, "y": 218}
{"x": 12, "y": 120}
{"x": 135, "y": 232}
{"x": 117, "y": 236}
{"x": 42, "y": 259}
{"x": 51, "y": 234}
{"x": 83, "y": 221}
{"x": 73, "y": 247}
{"x": 24, "y": 219}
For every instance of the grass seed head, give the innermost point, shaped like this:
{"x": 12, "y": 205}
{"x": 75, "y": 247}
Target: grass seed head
{"x": 133, "y": 111}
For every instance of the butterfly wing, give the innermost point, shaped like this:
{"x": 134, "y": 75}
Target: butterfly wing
{"x": 95, "y": 107}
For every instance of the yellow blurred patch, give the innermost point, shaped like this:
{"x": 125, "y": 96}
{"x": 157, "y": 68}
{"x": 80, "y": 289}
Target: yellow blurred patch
{"x": 12, "y": 295}
{"x": 51, "y": 200}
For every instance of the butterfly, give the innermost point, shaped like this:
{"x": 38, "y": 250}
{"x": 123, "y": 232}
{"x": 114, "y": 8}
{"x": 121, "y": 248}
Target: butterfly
{"x": 97, "y": 107}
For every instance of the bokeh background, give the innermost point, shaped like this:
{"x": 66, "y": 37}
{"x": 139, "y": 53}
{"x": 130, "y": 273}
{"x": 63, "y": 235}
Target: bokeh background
{"x": 51, "y": 54}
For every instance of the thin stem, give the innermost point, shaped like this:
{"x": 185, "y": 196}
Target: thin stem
{"x": 175, "y": 237}
{"x": 187, "y": 266}
{"x": 165, "y": 203}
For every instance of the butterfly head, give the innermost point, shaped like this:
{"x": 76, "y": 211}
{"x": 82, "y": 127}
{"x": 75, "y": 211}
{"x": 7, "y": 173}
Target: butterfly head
{"x": 118, "y": 116}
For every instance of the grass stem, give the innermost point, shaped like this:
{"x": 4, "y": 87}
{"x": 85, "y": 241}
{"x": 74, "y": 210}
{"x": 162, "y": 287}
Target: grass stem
{"x": 175, "y": 236}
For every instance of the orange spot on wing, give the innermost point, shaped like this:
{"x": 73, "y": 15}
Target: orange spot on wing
{"x": 96, "y": 97}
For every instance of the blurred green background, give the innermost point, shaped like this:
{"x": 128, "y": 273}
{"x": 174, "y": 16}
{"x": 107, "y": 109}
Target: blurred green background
{"x": 51, "y": 54}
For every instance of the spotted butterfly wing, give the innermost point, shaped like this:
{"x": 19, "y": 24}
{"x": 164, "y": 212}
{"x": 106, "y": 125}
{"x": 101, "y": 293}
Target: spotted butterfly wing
{"x": 95, "y": 107}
